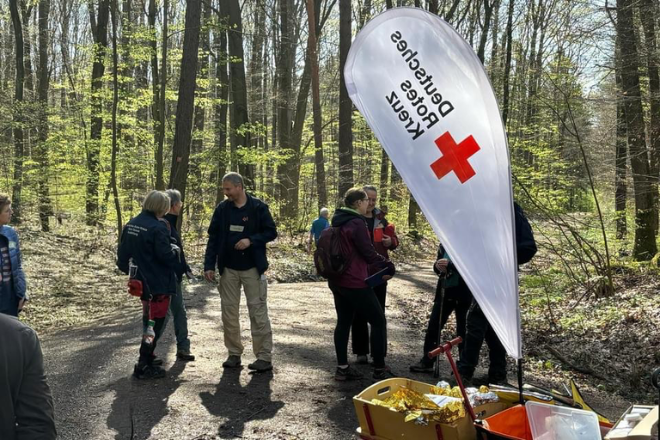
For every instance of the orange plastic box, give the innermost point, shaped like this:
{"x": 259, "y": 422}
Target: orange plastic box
{"x": 510, "y": 424}
{"x": 380, "y": 423}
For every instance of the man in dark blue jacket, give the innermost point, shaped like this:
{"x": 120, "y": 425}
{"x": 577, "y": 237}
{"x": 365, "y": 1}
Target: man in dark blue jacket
{"x": 145, "y": 241}
{"x": 239, "y": 230}
{"x": 478, "y": 328}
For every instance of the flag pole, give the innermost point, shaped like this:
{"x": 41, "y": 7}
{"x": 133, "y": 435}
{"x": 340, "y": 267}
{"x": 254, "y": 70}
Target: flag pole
{"x": 443, "y": 279}
{"x": 520, "y": 381}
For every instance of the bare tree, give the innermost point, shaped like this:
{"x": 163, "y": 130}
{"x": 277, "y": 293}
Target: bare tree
{"x": 100, "y": 32}
{"x": 186, "y": 103}
{"x": 345, "y": 104}
{"x": 45, "y": 209}
{"x": 645, "y": 247}
{"x": 17, "y": 130}
{"x": 316, "y": 107}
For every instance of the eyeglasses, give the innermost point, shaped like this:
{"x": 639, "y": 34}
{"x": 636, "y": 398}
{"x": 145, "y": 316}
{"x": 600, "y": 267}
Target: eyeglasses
{"x": 372, "y": 200}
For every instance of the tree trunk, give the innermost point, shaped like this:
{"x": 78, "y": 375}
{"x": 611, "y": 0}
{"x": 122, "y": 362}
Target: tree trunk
{"x": 488, "y": 13}
{"x": 645, "y": 247}
{"x": 239, "y": 108}
{"x": 285, "y": 64}
{"x": 197, "y": 145}
{"x": 494, "y": 52}
{"x": 26, "y": 12}
{"x": 96, "y": 127}
{"x": 621, "y": 154}
{"x": 222, "y": 96}
{"x": 507, "y": 64}
{"x": 316, "y": 108}
{"x": 158, "y": 118}
{"x": 17, "y": 203}
{"x": 162, "y": 90}
{"x": 115, "y": 101}
{"x": 648, "y": 17}
{"x": 345, "y": 104}
{"x": 45, "y": 209}
{"x": 257, "y": 109}
{"x": 186, "y": 102}
{"x": 413, "y": 209}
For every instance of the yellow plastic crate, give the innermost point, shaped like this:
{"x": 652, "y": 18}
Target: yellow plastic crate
{"x": 380, "y": 423}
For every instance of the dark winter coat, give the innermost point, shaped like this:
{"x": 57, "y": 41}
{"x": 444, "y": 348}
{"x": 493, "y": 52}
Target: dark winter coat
{"x": 182, "y": 265}
{"x": 26, "y": 404}
{"x": 261, "y": 229}
{"x": 525, "y": 244}
{"x": 357, "y": 246}
{"x": 146, "y": 239}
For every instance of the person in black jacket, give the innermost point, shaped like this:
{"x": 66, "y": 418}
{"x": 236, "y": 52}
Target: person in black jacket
{"x": 26, "y": 404}
{"x": 456, "y": 298}
{"x": 177, "y": 307}
{"x": 145, "y": 242}
{"x": 478, "y": 327}
{"x": 240, "y": 228}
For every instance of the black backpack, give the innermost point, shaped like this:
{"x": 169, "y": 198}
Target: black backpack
{"x": 329, "y": 257}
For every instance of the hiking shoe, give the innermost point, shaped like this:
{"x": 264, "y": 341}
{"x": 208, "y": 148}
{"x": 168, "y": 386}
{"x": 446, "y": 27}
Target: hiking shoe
{"x": 148, "y": 372}
{"x": 362, "y": 359}
{"x": 421, "y": 367}
{"x": 348, "y": 373}
{"x": 383, "y": 373}
{"x": 184, "y": 355}
{"x": 260, "y": 366}
{"x": 497, "y": 380}
{"x": 232, "y": 361}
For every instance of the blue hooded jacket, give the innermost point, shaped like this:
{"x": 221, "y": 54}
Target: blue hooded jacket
{"x": 17, "y": 274}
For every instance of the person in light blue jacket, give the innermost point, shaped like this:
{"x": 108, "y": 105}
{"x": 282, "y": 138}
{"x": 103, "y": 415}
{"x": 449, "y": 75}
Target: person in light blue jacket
{"x": 12, "y": 278}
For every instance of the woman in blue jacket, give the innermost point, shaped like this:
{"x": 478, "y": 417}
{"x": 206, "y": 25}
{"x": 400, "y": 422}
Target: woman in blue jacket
{"x": 12, "y": 278}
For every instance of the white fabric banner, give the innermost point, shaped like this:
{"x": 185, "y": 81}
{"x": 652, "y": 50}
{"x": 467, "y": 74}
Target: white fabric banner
{"x": 426, "y": 96}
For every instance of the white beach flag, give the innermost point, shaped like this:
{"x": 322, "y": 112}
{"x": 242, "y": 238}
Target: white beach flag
{"x": 426, "y": 96}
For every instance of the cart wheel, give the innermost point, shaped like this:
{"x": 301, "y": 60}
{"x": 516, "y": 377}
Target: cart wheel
{"x": 655, "y": 378}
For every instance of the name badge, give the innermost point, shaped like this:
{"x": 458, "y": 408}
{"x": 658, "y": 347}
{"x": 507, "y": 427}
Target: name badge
{"x": 236, "y": 228}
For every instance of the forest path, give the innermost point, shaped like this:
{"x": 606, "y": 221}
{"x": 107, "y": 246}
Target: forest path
{"x": 89, "y": 371}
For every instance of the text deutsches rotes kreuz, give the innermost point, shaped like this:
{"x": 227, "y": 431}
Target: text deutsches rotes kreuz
{"x": 418, "y": 111}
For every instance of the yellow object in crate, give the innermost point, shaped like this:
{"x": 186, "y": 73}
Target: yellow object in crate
{"x": 382, "y": 423}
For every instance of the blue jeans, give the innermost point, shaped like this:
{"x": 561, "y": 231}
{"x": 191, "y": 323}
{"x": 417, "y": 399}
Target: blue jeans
{"x": 180, "y": 320}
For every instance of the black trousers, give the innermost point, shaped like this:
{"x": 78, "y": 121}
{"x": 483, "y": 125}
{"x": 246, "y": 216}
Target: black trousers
{"x": 147, "y": 350}
{"x": 347, "y": 303}
{"x": 478, "y": 330}
{"x": 360, "y": 328}
{"x": 456, "y": 299}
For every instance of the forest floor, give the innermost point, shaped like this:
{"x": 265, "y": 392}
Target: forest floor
{"x": 90, "y": 331}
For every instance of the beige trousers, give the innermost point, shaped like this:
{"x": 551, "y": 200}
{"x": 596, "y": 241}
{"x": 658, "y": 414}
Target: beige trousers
{"x": 255, "y": 287}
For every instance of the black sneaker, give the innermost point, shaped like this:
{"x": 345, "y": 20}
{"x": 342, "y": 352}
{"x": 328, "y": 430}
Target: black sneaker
{"x": 232, "y": 361}
{"x": 184, "y": 355}
{"x": 260, "y": 366}
{"x": 349, "y": 373}
{"x": 421, "y": 367}
{"x": 148, "y": 372}
{"x": 383, "y": 373}
{"x": 497, "y": 380}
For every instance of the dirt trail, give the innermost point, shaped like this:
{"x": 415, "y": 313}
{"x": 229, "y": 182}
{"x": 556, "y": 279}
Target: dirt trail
{"x": 89, "y": 371}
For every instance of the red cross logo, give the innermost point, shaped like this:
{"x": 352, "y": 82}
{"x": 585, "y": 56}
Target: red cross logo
{"x": 455, "y": 157}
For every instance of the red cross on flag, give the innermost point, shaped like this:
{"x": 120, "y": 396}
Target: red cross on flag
{"x": 426, "y": 96}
